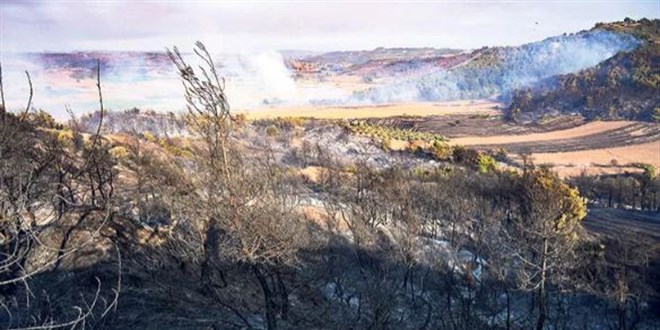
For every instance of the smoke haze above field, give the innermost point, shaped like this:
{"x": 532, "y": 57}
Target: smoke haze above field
{"x": 146, "y": 80}
{"x": 246, "y": 37}
{"x": 236, "y": 27}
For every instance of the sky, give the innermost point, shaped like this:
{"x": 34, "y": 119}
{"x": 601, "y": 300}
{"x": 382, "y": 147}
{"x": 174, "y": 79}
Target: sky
{"x": 240, "y": 27}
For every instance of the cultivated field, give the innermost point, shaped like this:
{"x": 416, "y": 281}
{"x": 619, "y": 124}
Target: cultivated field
{"x": 567, "y": 143}
{"x": 575, "y": 132}
{"x": 599, "y": 161}
{"x": 594, "y": 148}
{"x": 605, "y": 136}
{"x": 378, "y": 111}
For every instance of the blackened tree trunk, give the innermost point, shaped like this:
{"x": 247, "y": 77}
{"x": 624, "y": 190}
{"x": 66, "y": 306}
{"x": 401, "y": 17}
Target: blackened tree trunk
{"x": 269, "y": 299}
{"x": 211, "y": 253}
{"x": 284, "y": 296}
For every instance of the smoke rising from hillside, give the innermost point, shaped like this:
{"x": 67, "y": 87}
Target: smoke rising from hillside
{"x": 264, "y": 79}
{"x": 148, "y": 80}
{"x": 500, "y": 70}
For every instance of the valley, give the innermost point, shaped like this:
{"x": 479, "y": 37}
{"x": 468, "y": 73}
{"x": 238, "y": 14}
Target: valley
{"x": 567, "y": 144}
{"x": 500, "y": 187}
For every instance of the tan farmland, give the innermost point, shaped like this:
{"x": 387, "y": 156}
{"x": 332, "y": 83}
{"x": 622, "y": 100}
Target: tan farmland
{"x": 598, "y": 147}
{"x": 377, "y": 111}
{"x": 648, "y": 153}
{"x": 579, "y": 131}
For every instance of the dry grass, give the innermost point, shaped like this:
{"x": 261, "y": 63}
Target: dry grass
{"x": 378, "y": 111}
{"x": 312, "y": 173}
{"x": 580, "y": 131}
{"x": 597, "y": 160}
{"x": 648, "y": 153}
{"x": 400, "y": 145}
{"x": 572, "y": 171}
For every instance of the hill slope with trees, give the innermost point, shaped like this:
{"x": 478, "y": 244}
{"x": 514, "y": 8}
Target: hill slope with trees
{"x": 497, "y": 71}
{"x": 622, "y": 87}
{"x": 222, "y": 232}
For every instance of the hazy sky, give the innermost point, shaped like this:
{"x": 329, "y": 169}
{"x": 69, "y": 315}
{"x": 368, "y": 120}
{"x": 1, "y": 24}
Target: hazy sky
{"x": 235, "y": 27}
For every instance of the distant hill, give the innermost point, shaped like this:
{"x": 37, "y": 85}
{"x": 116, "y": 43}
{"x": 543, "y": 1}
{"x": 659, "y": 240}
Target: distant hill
{"x": 623, "y": 87}
{"x": 83, "y": 64}
{"x": 377, "y": 63}
{"x": 347, "y": 59}
{"x": 496, "y": 72}
{"x": 610, "y": 71}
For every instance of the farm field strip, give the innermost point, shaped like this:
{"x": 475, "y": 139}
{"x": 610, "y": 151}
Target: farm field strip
{"x": 648, "y": 153}
{"x": 566, "y": 142}
{"x": 376, "y": 111}
{"x": 579, "y": 131}
{"x": 623, "y": 136}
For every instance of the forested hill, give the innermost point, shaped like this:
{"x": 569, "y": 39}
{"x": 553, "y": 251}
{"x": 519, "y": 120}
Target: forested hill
{"x": 622, "y": 87}
{"x": 492, "y": 72}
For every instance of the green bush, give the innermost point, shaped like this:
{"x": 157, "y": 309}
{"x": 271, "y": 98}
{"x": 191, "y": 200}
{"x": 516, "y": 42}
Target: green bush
{"x": 441, "y": 150}
{"x": 387, "y": 144}
{"x": 365, "y": 128}
{"x": 486, "y": 163}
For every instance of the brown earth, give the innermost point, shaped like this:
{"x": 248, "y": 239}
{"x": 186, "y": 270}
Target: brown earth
{"x": 469, "y": 125}
{"x": 578, "y": 131}
{"x": 647, "y": 153}
{"x": 633, "y": 133}
{"x": 567, "y": 143}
